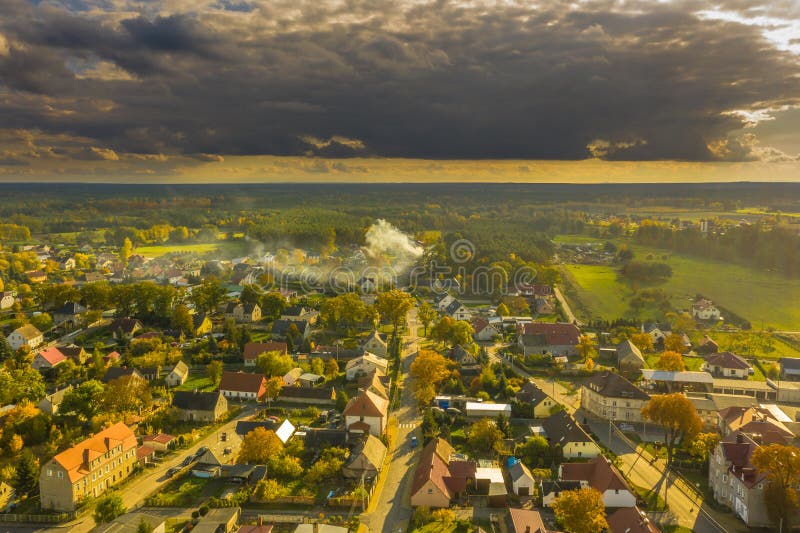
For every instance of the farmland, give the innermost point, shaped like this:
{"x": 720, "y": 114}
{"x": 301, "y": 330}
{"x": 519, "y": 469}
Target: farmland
{"x": 763, "y": 298}
{"x": 222, "y": 247}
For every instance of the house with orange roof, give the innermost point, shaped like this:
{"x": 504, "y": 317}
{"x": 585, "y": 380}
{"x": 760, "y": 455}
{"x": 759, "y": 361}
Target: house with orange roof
{"x": 253, "y": 349}
{"x": 242, "y": 385}
{"x": 48, "y": 358}
{"x": 88, "y": 469}
{"x": 367, "y": 413}
{"x": 441, "y": 476}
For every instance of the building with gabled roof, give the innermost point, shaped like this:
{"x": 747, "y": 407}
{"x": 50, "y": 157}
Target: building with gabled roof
{"x": 178, "y": 375}
{"x": 522, "y": 481}
{"x": 629, "y": 357}
{"x": 372, "y": 382}
{"x": 88, "y": 469}
{"x": 196, "y": 406}
{"x": 366, "y": 413}
{"x": 630, "y": 520}
{"x": 364, "y": 364}
{"x": 602, "y": 476}
{"x": 26, "y": 335}
{"x": 526, "y": 521}
{"x": 374, "y": 344}
{"x": 611, "y": 396}
{"x": 727, "y": 365}
{"x": 563, "y": 431}
{"x": 51, "y": 403}
{"x": 48, "y": 358}
{"x": 440, "y": 478}
{"x": 242, "y": 385}
{"x": 542, "y": 405}
{"x": 253, "y": 349}
{"x": 544, "y": 337}
{"x": 366, "y": 459}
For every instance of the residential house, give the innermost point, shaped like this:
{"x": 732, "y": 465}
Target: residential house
{"x": 440, "y": 478}
{"x": 704, "y": 309}
{"x": 556, "y": 339}
{"x": 67, "y": 264}
{"x": 160, "y": 442}
{"x": 178, "y": 375}
{"x": 201, "y": 324}
{"x": 308, "y": 379}
{"x": 466, "y": 361}
{"x": 48, "y": 358}
{"x": 253, "y": 349}
{"x": 87, "y": 469}
{"x": 727, "y": 365}
{"x": 374, "y": 344}
{"x": 222, "y": 520}
{"x": 541, "y": 403}
{"x": 563, "y": 431}
{"x": 656, "y": 332}
{"x": 36, "y": 276}
{"x": 484, "y": 330}
{"x": 125, "y": 328}
{"x": 611, "y": 396}
{"x": 196, "y": 406}
{"x": 629, "y": 357}
{"x": 243, "y": 312}
{"x": 550, "y": 489}
{"x": 708, "y": 406}
{"x": 150, "y": 373}
{"x": 735, "y": 482}
{"x": 366, "y": 413}
{"x": 366, "y": 460}
{"x": 372, "y": 382}
{"x": 755, "y": 420}
{"x": 7, "y": 299}
{"x": 51, "y": 403}
{"x": 790, "y": 368}
{"x": 365, "y": 364}
{"x": 487, "y": 409}
{"x": 630, "y": 520}
{"x": 300, "y": 312}
{"x": 458, "y": 311}
{"x": 707, "y": 345}
{"x": 117, "y": 372}
{"x": 522, "y": 481}
{"x": 69, "y": 315}
{"x": 543, "y": 306}
{"x": 526, "y": 521}
{"x": 92, "y": 277}
{"x": 242, "y": 386}
{"x": 308, "y": 396}
{"x": 443, "y": 301}
{"x": 602, "y": 476}
{"x": 26, "y": 335}
{"x": 281, "y": 328}
{"x": 112, "y": 357}
{"x": 74, "y": 352}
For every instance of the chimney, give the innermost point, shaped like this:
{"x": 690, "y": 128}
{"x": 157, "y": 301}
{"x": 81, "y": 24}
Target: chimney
{"x": 527, "y": 529}
{"x": 739, "y": 438}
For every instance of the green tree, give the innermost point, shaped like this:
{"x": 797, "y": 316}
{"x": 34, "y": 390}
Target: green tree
{"x": 781, "y": 464}
{"x": 702, "y": 445}
{"x": 214, "y": 372}
{"x": 84, "y": 400}
{"x": 581, "y": 511}
{"x": 26, "y": 480}
{"x": 586, "y": 347}
{"x": 42, "y": 321}
{"x": 208, "y": 295}
{"x": 426, "y": 315}
{"x": 502, "y": 310}
{"x": 331, "y": 369}
{"x": 5, "y": 349}
{"x": 485, "y": 436}
{"x": 182, "y": 320}
{"x": 272, "y": 305}
{"x": 460, "y": 333}
{"x": 125, "y": 251}
{"x": 341, "y": 400}
{"x": 317, "y": 366}
{"x": 273, "y": 388}
{"x": 258, "y": 446}
{"x": 108, "y": 508}
{"x": 144, "y": 527}
{"x": 394, "y": 306}
{"x": 275, "y": 363}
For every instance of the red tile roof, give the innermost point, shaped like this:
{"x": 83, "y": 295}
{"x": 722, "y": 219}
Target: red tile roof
{"x": 630, "y": 520}
{"x": 242, "y": 382}
{"x": 367, "y": 403}
{"x": 727, "y": 360}
{"x": 52, "y": 355}
{"x": 253, "y": 349}
{"x": 599, "y": 473}
{"x": 558, "y": 334}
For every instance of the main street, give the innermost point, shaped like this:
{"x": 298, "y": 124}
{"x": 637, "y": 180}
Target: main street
{"x": 138, "y": 488}
{"x": 390, "y": 510}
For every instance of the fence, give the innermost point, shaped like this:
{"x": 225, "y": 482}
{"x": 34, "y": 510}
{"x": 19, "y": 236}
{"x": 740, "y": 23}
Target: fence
{"x": 38, "y": 518}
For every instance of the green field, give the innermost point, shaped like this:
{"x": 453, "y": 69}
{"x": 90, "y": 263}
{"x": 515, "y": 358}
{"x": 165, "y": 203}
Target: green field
{"x": 227, "y": 248}
{"x": 760, "y": 297}
{"x": 200, "y": 383}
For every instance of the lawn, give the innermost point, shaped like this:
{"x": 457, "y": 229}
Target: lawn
{"x": 229, "y": 248}
{"x": 763, "y": 298}
{"x": 692, "y": 363}
{"x": 775, "y": 349}
{"x": 199, "y": 382}
{"x": 179, "y": 493}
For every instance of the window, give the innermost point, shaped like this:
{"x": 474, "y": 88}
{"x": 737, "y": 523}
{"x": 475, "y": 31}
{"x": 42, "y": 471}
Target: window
{"x": 49, "y": 472}
{"x": 60, "y": 475}
{"x": 430, "y": 491}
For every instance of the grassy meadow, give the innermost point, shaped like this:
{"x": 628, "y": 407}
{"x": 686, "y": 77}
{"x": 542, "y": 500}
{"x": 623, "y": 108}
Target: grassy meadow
{"x": 763, "y": 298}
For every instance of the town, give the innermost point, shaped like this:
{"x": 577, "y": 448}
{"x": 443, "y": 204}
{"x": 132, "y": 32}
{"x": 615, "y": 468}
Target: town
{"x": 171, "y": 388}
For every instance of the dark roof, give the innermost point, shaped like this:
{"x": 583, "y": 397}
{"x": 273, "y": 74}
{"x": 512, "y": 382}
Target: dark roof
{"x": 195, "y": 400}
{"x": 198, "y": 319}
{"x": 727, "y": 360}
{"x": 281, "y": 326}
{"x": 243, "y": 427}
{"x": 116, "y": 372}
{"x": 630, "y": 520}
{"x": 562, "y": 428}
{"x": 70, "y": 308}
{"x": 790, "y": 363}
{"x": 304, "y": 392}
{"x": 295, "y": 310}
{"x": 613, "y": 385}
{"x": 454, "y": 306}
{"x": 317, "y": 438}
{"x": 127, "y": 325}
{"x": 253, "y": 349}
{"x": 559, "y": 485}
{"x": 530, "y": 393}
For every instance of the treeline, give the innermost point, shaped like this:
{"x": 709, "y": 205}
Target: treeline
{"x": 756, "y": 245}
{"x": 647, "y": 271}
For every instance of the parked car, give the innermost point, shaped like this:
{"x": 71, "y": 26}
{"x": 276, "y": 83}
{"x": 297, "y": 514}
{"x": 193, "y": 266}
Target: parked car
{"x": 414, "y": 441}
{"x": 172, "y": 471}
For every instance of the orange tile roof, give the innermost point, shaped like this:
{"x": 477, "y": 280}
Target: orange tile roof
{"x": 73, "y": 460}
{"x": 367, "y": 403}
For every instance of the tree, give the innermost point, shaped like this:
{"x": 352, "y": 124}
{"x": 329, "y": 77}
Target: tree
{"x": 214, "y": 372}
{"x": 127, "y": 394}
{"x": 272, "y": 388}
{"x": 5, "y": 349}
{"x": 258, "y": 446}
{"x": 317, "y": 366}
{"x": 208, "y": 295}
{"x": 182, "y": 320}
{"x": 42, "y": 321}
{"x": 672, "y": 361}
{"x": 125, "y": 251}
{"x": 781, "y": 465}
{"x": 26, "y": 479}
{"x": 581, "y": 511}
{"x": 84, "y": 400}
{"x": 394, "y": 306}
{"x": 429, "y": 426}
{"x": 429, "y": 369}
{"x": 426, "y": 315}
{"x": 275, "y": 363}
{"x": 503, "y": 310}
{"x": 702, "y": 444}
{"x": 643, "y": 341}
{"x": 674, "y": 343}
{"x": 331, "y": 369}
{"x": 535, "y": 451}
{"x": 460, "y": 333}
{"x": 677, "y": 417}
{"x": 109, "y": 507}
{"x": 485, "y": 436}
{"x": 15, "y": 444}
{"x": 341, "y": 400}
{"x": 272, "y": 305}
{"x": 586, "y": 347}
{"x": 144, "y": 527}
{"x": 441, "y": 330}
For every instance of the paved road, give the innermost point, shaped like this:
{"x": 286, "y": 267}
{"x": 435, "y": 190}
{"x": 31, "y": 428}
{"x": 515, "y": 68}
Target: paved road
{"x": 565, "y": 306}
{"x": 393, "y": 511}
{"x": 134, "y": 492}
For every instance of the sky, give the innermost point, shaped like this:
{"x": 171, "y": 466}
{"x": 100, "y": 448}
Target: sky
{"x": 399, "y": 90}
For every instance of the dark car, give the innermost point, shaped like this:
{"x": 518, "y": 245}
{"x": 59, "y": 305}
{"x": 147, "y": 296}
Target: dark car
{"x": 172, "y": 471}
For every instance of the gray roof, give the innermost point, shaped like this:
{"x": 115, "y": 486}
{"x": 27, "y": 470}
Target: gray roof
{"x": 194, "y": 400}
{"x": 561, "y": 428}
{"x": 627, "y": 349}
{"x": 519, "y": 470}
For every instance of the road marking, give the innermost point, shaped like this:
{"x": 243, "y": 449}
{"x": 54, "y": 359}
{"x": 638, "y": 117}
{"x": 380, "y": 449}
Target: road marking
{"x": 412, "y": 425}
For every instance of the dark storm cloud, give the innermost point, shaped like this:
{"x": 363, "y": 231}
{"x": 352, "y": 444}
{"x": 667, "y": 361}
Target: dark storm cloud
{"x": 442, "y": 80}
